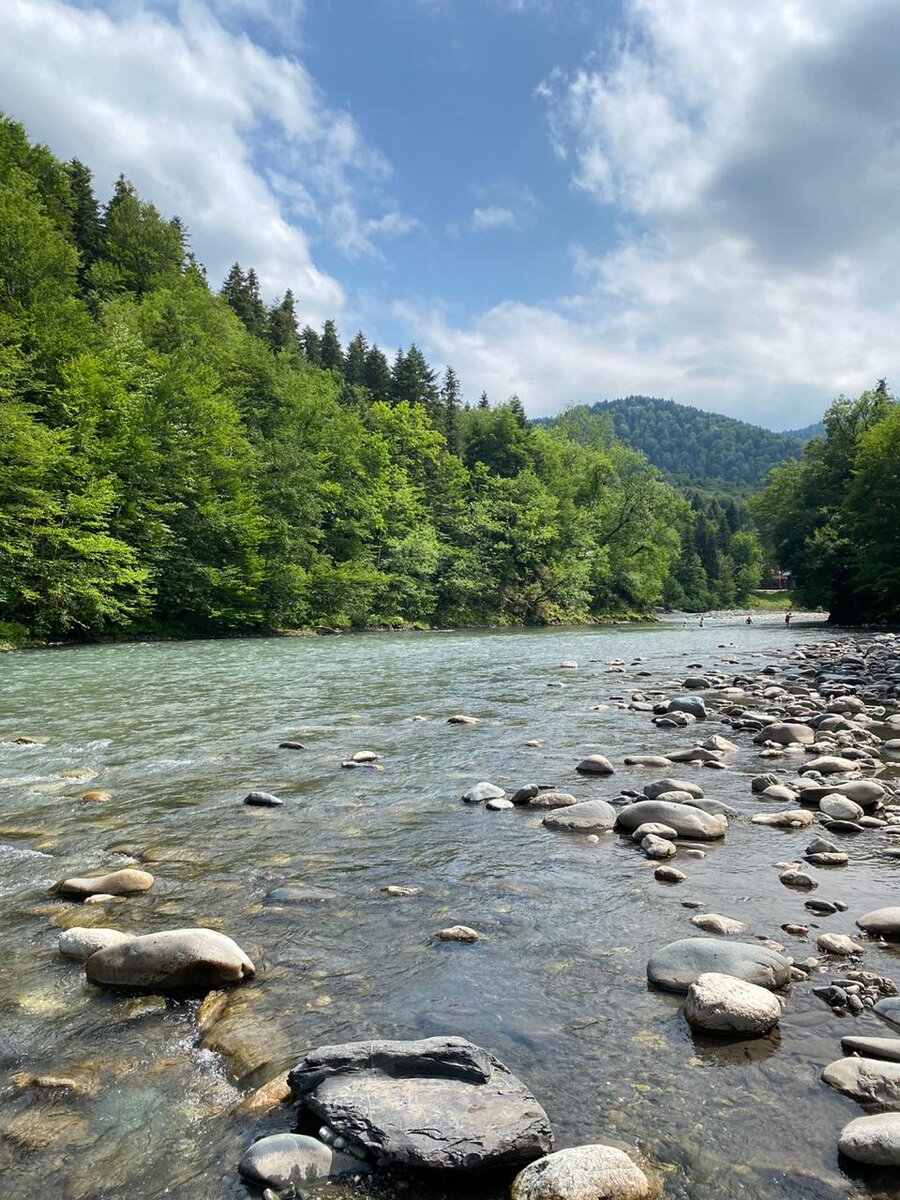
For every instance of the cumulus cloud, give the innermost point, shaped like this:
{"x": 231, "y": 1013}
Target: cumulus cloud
{"x": 206, "y": 122}
{"x": 751, "y": 154}
{"x": 494, "y": 216}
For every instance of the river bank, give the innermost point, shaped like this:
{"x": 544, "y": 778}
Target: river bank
{"x": 555, "y": 986}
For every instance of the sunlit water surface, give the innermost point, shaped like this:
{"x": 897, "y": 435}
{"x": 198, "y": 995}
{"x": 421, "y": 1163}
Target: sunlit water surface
{"x": 178, "y": 733}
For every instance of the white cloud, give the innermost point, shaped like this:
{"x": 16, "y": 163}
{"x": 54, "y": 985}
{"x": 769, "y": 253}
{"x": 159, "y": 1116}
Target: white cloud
{"x": 237, "y": 140}
{"x": 750, "y": 154}
{"x": 494, "y": 216}
{"x": 353, "y": 234}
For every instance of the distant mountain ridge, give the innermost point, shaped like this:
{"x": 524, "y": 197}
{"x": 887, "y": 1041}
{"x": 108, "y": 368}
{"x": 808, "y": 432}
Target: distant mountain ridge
{"x": 696, "y": 447}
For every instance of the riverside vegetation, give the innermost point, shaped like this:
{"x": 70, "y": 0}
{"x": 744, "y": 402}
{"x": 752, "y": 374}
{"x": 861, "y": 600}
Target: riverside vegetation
{"x": 174, "y": 459}
{"x": 177, "y": 460}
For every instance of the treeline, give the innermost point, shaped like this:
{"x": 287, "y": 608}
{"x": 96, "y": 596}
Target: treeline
{"x": 833, "y": 518}
{"x": 178, "y": 460}
{"x": 697, "y": 448}
{"x": 721, "y": 560}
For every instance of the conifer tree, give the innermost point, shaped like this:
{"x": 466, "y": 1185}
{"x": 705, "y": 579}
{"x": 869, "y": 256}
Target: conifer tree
{"x": 256, "y": 320}
{"x": 450, "y": 402}
{"x": 377, "y": 375}
{"x": 87, "y": 232}
{"x": 311, "y": 345}
{"x": 483, "y": 401}
{"x": 332, "y": 356}
{"x": 282, "y": 332}
{"x": 355, "y": 360}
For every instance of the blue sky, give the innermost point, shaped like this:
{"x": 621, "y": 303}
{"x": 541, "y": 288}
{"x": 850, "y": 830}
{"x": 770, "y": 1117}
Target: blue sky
{"x": 567, "y": 199}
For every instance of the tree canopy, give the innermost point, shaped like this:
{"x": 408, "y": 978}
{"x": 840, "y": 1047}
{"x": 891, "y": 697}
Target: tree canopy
{"x": 176, "y": 458}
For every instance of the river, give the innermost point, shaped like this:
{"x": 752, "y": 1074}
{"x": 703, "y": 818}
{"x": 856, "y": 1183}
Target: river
{"x": 179, "y": 732}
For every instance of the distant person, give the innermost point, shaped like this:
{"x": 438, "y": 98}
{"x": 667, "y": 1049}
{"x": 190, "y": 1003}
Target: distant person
{"x": 701, "y": 622}
{"x": 749, "y": 621}
{"x": 787, "y": 618}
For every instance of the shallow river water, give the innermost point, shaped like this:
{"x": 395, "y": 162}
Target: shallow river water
{"x": 179, "y": 732}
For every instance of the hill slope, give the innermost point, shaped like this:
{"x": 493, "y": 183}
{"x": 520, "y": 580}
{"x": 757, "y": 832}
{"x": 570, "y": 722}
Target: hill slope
{"x": 697, "y": 447}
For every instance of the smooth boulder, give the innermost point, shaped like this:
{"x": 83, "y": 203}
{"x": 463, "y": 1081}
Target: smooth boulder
{"x": 656, "y": 789}
{"x": 437, "y": 1102}
{"x": 595, "y": 764}
{"x": 786, "y": 733}
{"x": 687, "y": 822}
{"x": 676, "y": 966}
{"x": 869, "y": 1080}
{"x": 721, "y": 1004}
{"x": 593, "y": 1172}
{"x": 126, "y": 882}
{"x": 82, "y": 941}
{"x": 590, "y": 816}
{"x": 179, "y": 961}
{"x": 483, "y": 791}
{"x": 885, "y": 922}
{"x": 874, "y": 1140}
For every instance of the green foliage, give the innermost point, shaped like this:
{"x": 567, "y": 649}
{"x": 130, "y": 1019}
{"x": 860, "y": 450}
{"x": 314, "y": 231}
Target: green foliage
{"x": 176, "y": 459}
{"x": 695, "y": 447}
{"x": 831, "y": 518}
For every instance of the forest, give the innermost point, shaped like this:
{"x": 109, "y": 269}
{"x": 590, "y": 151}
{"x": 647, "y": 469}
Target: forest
{"x": 177, "y": 458}
{"x": 693, "y": 447}
{"x": 833, "y": 517}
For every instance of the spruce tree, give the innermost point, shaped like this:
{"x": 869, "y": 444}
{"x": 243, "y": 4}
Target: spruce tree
{"x": 331, "y": 353}
{"x": 282, "y": 331}
{"x": 87, "y": 232}
{"x": 378, "y": 375}
{"x": 311, "y": 345}
{"x": 415, "y": 383}
{"x": 483, "y": 401}
{"x": 450, "y": 402}
{"x": 355, "y": 360}
{"x": 256, "y": 320}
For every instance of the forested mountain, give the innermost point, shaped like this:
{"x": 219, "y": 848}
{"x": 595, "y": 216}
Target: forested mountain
{"x": 806, "y": 434}
{"x": 832, "y": 517}
{"x": 697, "y": 448}
{"x": 178, "y": 459}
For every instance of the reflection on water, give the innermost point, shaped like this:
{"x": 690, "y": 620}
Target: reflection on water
{"x": 178, "y": 733}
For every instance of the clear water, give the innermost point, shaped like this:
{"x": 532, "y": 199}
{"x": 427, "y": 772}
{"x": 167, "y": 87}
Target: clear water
{"x": 178, "y": 733}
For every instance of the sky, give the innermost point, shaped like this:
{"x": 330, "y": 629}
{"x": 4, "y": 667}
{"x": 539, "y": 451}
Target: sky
{"x": 569, "y": 200}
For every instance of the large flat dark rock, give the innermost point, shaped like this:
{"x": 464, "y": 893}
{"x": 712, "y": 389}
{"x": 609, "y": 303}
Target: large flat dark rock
{"x": 435, "y": 1103}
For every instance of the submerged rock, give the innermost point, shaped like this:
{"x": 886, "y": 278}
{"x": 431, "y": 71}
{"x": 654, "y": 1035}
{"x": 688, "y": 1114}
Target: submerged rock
{"x": 180, "y": 961}
{"x": 435, "y": 1103}
{"x": 594, "y": 1172}
{"x": 719, "y": 1003}
{"x": 289, "y": 1159}
{"x": 676, "y": 966}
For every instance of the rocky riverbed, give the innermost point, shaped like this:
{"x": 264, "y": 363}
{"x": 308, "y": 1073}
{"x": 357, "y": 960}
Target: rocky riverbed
{"x": 643, "y": 881}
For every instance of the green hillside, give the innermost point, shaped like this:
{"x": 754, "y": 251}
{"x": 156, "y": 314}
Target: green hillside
{"x": 699, "y": 448}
